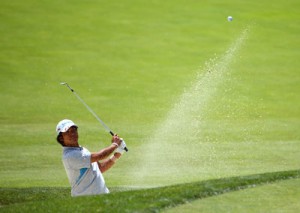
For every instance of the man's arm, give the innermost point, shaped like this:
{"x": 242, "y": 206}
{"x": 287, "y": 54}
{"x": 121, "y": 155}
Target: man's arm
{"x": 104, "y": 153}
{"x": 108, "y": 163}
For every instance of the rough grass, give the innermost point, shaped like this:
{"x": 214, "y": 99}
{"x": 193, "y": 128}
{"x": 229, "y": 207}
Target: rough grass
{"x": 145, "y": 200}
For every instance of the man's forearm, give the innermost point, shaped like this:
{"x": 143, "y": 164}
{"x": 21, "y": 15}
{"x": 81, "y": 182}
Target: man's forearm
{"x": 108, "y": 163}
{"x": 102, "y": 154}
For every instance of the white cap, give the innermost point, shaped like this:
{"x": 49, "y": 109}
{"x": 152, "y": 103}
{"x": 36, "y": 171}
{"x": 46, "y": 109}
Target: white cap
{"x": 64, "y": 125}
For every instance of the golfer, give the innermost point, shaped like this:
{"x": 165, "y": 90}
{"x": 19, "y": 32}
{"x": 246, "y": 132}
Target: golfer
{"x": 84, "y": 169}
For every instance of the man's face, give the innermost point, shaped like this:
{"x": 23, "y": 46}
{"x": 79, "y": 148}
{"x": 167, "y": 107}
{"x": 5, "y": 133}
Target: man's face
{"x": 70, "y": 137}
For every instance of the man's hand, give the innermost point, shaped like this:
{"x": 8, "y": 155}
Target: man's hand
{"x": 121, "y": 148}
{"x": 116, "y": 140}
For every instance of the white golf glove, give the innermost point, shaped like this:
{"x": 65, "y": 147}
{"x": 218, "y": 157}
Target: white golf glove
{"x": 121, "y": 149}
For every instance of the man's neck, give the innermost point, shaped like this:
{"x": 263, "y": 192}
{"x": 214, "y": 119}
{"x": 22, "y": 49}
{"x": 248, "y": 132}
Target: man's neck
{"x": 71, "y": 145}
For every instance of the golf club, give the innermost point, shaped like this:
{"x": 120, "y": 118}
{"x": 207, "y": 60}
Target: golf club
{"x": 91, "y": 111}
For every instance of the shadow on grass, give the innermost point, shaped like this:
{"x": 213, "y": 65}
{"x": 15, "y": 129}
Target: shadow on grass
{"x": 145, "y": 200}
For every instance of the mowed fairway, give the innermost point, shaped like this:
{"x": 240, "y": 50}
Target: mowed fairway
{"x": 195, "y": 97}
{"x": 278, "y": 197}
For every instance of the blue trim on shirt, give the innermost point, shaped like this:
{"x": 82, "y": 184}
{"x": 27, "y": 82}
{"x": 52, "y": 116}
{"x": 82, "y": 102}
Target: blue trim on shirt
{"x": 82, "y": 172}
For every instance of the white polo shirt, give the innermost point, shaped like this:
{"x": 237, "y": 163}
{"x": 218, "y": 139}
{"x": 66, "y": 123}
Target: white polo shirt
{"x": 85, "y": 177}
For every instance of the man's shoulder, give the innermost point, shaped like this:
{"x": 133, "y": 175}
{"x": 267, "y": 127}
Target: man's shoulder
{"x": 76, "y": 157}
{"x": 74, "y": 151}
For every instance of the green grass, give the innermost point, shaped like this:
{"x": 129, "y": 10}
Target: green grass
{"x": 272, "y": 197}
{"x": 147, "y": 200}
{"x": 132, "y": 62}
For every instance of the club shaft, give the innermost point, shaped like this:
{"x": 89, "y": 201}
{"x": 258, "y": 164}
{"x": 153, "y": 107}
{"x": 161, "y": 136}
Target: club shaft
{"x": 91, "y": 111}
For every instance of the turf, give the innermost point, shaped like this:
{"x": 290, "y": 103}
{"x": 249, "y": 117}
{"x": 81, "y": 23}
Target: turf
{"x": 273, "y": 197}
{"x": 147, "y": 200}
{"x": 134, "y": 63}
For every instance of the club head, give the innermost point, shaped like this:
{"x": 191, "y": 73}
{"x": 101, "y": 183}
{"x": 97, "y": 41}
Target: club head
{"x": 65, "y": 83}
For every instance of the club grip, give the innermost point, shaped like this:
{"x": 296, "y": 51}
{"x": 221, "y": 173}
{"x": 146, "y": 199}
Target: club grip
{"x": 112, "y": 134}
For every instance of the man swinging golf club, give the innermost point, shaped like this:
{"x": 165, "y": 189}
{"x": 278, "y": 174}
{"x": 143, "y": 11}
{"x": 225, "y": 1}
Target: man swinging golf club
{"x": 84, "y": 169}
